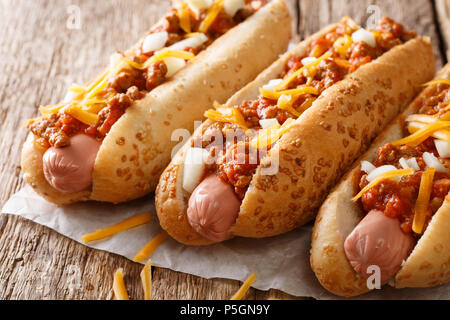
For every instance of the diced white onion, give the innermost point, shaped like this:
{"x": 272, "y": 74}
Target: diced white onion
{"x": 114, "y": 59}
{"x": 193, "y": 42}
{"x": 199, "y": 5}
{"x": 367, "y": 166}
{"x": 194, "y": 166}
{"x": 404, "y": 163}
{"x": 155, "y": 41}
{"x": 308, "y": 60}
{"x": 271, "y": 84}
{"x": 284, "y": 99}
{"x": 70, "y": 95}
{"x": 442, "y": 147}
{"x": 233, "y": 6}
{"x": 409, "y": 163}
{"x": 433, "y": 162}
{"x": 378, "y": 171}
{"x": 267, "y": 123}
{"x": 412, "y": 163}
{"x": 364, "y": 36}
{"x": 173, "y": 65}
{"x": 291, "y": 46}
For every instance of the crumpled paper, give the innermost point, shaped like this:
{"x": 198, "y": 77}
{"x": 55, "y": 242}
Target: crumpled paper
{"x": 280, "y": 262}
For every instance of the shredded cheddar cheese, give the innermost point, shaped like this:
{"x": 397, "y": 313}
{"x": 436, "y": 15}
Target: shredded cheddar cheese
{"x": 150, "y": 247}
{"x": 275, "y": 95}
{"x": 77, "y": 89}
{"x": 282, "y": 85}
{"x": 146, "y": 278}
{"x": 342, "y": 63}
{"x": 342, "y": 45}
{"x": 51, "y": 109}
{"x": 227, "y": 114}
{"x": 285, "y": 102}
{"x": 92, "y": 84}
{"x": 192, "y": 34}
{"x": 271, "y": 135}
{"x": 437, "y": 81}
{"x": 443, "y": 134}
{"x": 117, "y": 228}
{"x": 135, "y": 65}
{"x": 306, "y": 104}
{"x": 381, "y": 177}
{"x": 166, "y": 53}
{"x": 421, "y": 207}
{"x": 185, "y": 18}
{"x": 160, "y": 55}
{"x": 211, "y": 15}
{"x": 95, "y": 91}
{"x": 423, "y": 133}
{"x": 120, "y": 291}
{"x": 82, "y": 115}
{"x": 244, "y": 288}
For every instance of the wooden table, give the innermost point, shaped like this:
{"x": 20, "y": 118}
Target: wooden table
{"x": 42, "y": 52}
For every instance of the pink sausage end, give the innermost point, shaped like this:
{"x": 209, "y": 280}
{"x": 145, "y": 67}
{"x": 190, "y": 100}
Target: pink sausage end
{"x": 378, "y": 240}
{"x": 213, "y": 208}
{"x": 69, "y": 169}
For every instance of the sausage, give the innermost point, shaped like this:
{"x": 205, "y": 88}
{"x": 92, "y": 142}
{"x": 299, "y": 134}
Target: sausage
{"x": 213, "y": 208}
{"x": 69, "y": 169}
{"x": 378, "y": 240}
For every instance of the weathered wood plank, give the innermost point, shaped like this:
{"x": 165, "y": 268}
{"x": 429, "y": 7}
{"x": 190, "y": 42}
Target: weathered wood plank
{"x": 443, "y": 15}
{"x": 36, "y": 262}
{"x": 416, "y": 15}
{"x": 46, "y": 265}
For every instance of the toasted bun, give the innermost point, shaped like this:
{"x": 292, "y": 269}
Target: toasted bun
{"x": 428, "y": 264}
{"x": 138, "y": 147}
{"x": 323, "y": 143}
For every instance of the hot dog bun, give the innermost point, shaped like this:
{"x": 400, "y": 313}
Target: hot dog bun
{"x": 324, "y": 141}
{"x": 137, "y": 149}
{"x": 427, "y": 265}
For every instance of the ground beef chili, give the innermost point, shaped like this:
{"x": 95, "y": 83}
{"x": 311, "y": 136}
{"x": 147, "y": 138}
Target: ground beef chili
{"x": 327, "y": 73}
{"x": 397, "y": 198}
{"x": 129, "y": 85}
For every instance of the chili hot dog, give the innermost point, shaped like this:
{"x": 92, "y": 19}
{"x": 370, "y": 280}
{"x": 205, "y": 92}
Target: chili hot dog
{"x": 199, "y": 52}
{"x": 282, "y": 141}
{"x": 390, "y": 212}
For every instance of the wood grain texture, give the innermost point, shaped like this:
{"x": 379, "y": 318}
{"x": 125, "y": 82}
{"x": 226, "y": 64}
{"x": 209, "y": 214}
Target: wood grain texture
{"x": 39, "y": 58}
{"x": 442, "y": 10}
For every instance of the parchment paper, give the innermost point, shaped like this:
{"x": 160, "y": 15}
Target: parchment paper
{"x": 280, "y": 262}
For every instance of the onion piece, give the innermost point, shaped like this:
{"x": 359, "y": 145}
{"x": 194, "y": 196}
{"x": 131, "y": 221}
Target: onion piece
{"x": 173, "y": 65}
{"x": 193, "y": 42}
{"x": 412, "y": 163}
{"x": 403, "y": 163}
{"x": 267, "y": 123}
{"x": 114, "y": 59}
{"x": 155, "y": 41}
{"x": 442, "y": 147}
{"x": 194, "y": 167}
{"x": 362, "y": 35}
{"x": 270, "y": 86}
{"x": 380, "y": 170}
{"x": 308, "y": 60}
{"x": 367, "y": 166}
{"x": 409, "y": 163}
{"x": 70, "y": 95}
{"x": 199, "y": 5}
{"x": 433, "y": 162}
{"x": 233, "y": 6}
